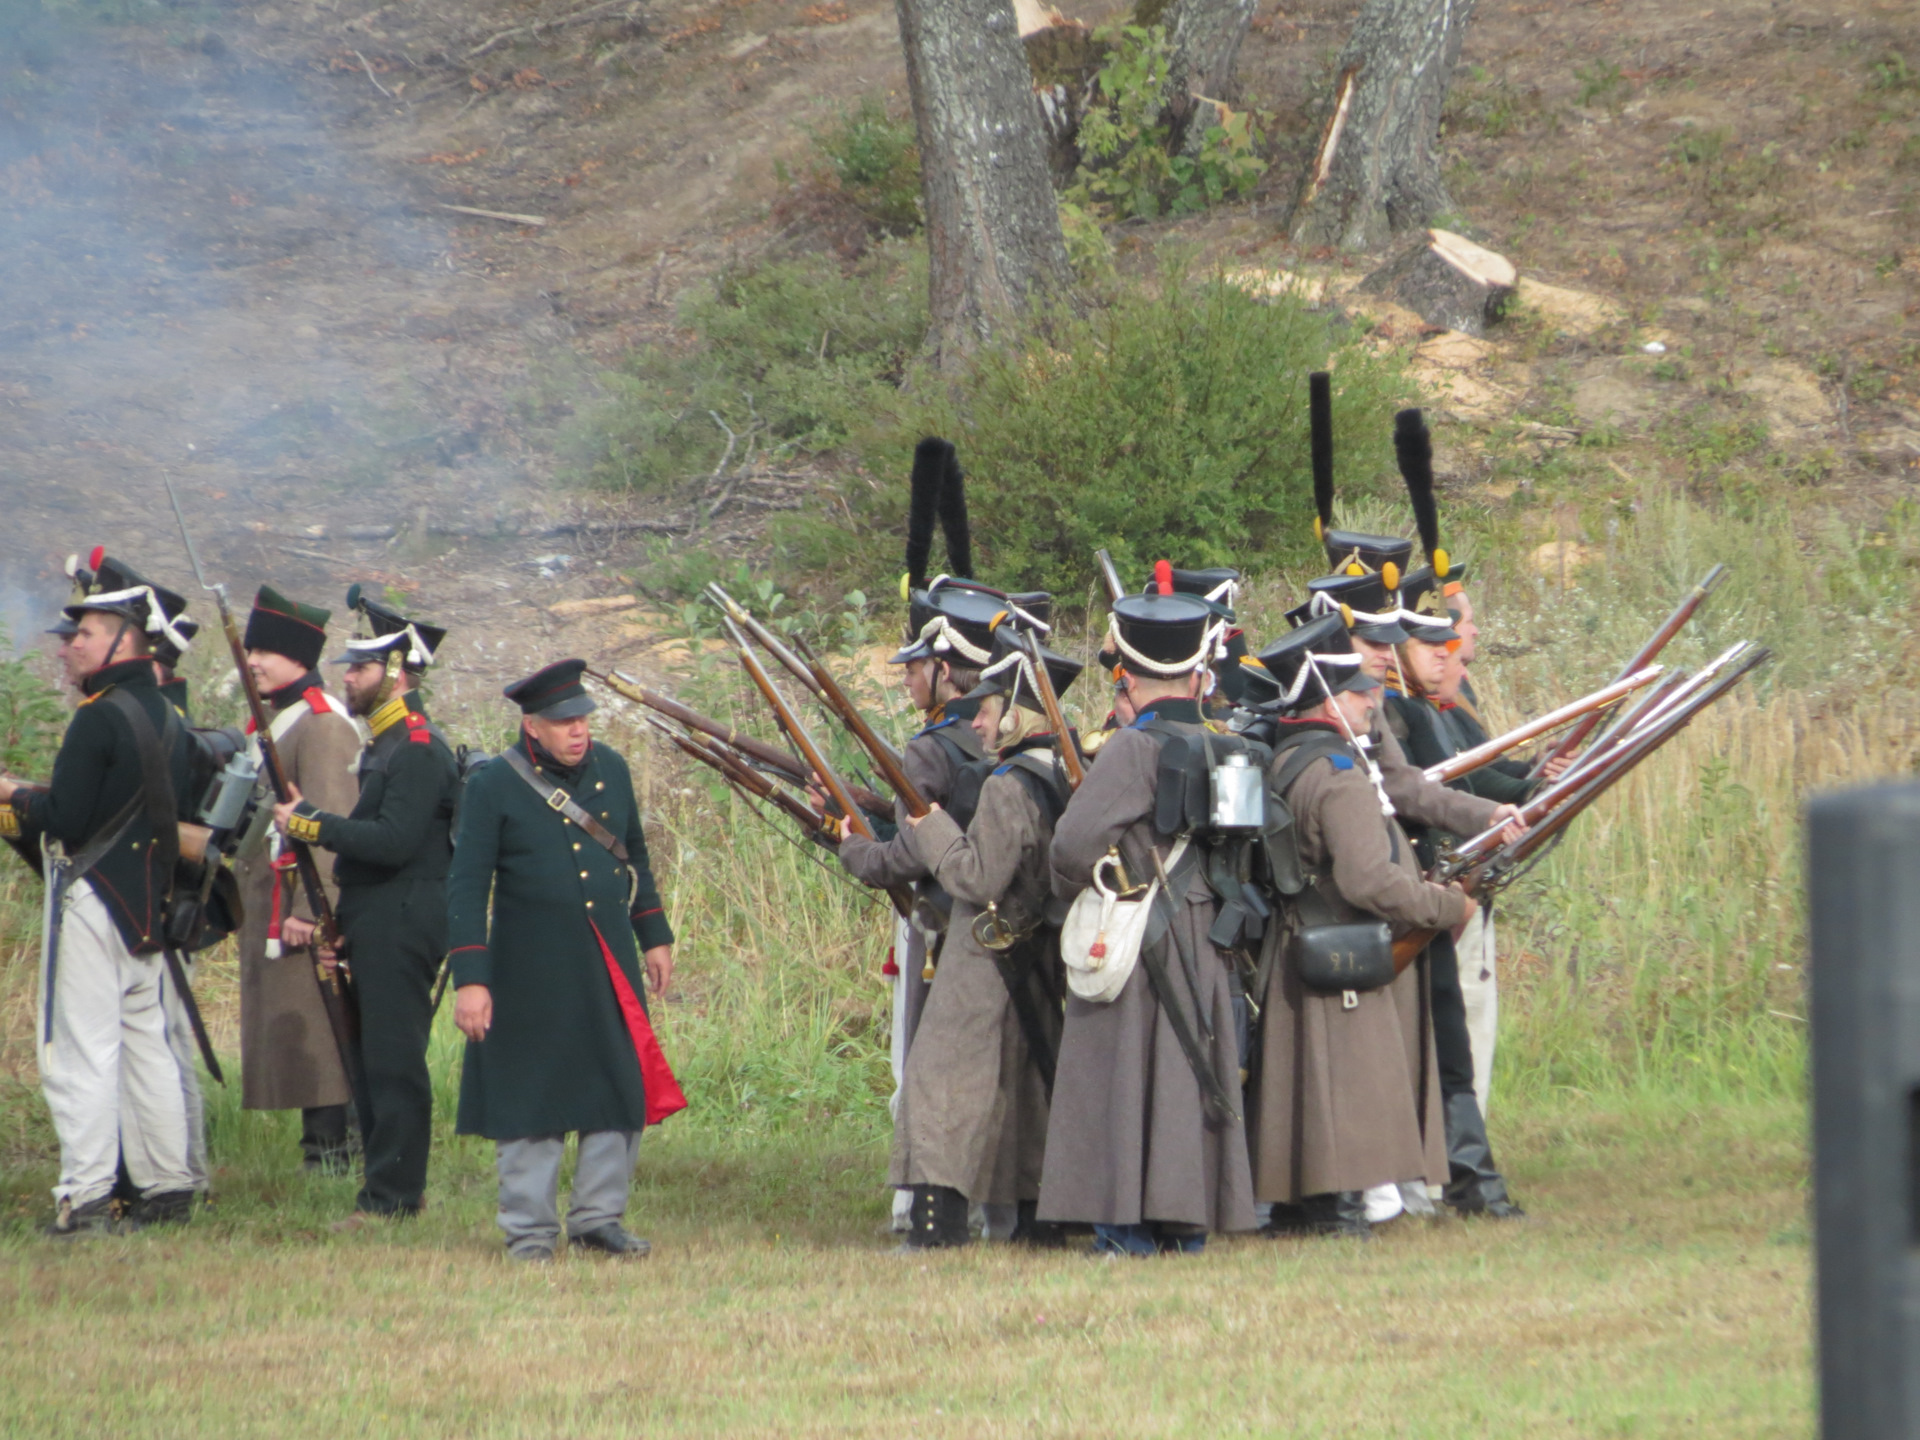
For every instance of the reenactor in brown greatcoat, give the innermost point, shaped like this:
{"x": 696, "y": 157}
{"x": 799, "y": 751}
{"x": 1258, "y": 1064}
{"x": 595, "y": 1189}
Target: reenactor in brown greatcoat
{"x": 1144, "y": 1141}
{"x": 289, "y": 1059}
{"x": 972, "y": 1123}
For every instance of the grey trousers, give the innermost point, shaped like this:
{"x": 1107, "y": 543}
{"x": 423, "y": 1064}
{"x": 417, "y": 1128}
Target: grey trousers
{"x": 529, "y": 1172}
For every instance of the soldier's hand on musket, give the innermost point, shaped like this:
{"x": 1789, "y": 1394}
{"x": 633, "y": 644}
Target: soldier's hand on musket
{"x": 296, "y": 932}
{"x": 282, "y": 812}
{"x": 914, "y": 820}
{"x": 1557, "y": 766}
{"x": 659, "y": 962}
{"x": 1512, "y": 825}
{"x": 328, "y": 957}
{"x": 473, "y": 1011}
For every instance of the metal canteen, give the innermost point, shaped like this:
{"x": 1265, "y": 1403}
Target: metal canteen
{"x": 1239, "y": 795}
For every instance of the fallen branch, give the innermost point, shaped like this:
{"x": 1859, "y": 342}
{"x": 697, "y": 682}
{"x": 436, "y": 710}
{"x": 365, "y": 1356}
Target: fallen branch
{"x": 371, "y": 76}
{"x": 508, "y": 216}
{"x": 578, "y": 17}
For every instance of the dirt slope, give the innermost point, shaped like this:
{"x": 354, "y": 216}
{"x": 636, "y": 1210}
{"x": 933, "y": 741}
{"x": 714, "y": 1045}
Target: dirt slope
{"x": 225, "y": 233}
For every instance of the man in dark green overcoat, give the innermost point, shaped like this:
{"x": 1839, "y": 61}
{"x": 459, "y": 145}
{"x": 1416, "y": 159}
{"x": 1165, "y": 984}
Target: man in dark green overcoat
{"x": 551, "y": 996}
{"x": 393, "y": 851}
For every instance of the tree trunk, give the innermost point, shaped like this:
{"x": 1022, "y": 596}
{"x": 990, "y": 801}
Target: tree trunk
{"x": 1376, "y": 170}
{"x": 1206, "y": 36}
{"x": 993, "y": 228}
{"x": 1449, "y": 281}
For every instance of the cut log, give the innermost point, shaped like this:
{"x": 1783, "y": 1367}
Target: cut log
{"x": 1449, "y": 281}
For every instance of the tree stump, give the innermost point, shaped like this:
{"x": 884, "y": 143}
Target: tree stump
{"x": 1448, "y": 281}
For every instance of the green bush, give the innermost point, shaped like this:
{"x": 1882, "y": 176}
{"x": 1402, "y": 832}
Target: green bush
{"x": 1170, "y": 423}
{"x": 874, "y": 160}
{"x": 788, "y": 356}
{"x": 1128, "y": 169}
{"x": 31, "y": 718}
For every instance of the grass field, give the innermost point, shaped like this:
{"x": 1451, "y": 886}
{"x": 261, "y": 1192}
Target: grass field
{"x": 1660, "y": 1287}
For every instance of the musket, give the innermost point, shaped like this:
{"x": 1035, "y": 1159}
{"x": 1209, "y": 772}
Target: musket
{"x": 1063, "y": 741}
{"x": 1648, "y": 653}
{"x": 806, "y": 667}
{"x": 740, "y": 776}
{"x": 830, "y": 780}
{"x": 1467, "y": 761}
{"x": 1480, "y": 872}
{"x": 1112, "y": 576}
{"x": 336, "y": 985}
{"x": 758, "y": 752}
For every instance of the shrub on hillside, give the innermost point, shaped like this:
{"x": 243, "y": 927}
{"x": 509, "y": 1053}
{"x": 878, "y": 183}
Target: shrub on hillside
{"x": 1171, "y": 422}
{"x": 31, "y": 717}
{"x": 788, "y": 356}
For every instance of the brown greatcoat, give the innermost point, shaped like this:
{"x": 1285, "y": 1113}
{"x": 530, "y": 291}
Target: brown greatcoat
{"x": 1420, "y": 801}
{"x": 1127, "y": 1140}
{"x": 882, "y": 863}
{"x": 973, "y": 1107}
{"x": 288, "y": 1059}
{"x": 1348, "y": 1098}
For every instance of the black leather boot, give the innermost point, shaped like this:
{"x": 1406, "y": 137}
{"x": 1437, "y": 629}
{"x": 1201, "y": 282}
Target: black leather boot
{"x": 1340, "y": 1212}
{"x": 937, "y": 1219}
{"x": 1475, "y": 1186}
{"x": 1038, "y": 1233}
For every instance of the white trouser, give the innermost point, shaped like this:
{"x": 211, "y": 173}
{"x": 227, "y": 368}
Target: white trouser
{"x": 111, "y": 1078}
{"x": 1479, "y": 987}
{"x": 186, "y": 1050}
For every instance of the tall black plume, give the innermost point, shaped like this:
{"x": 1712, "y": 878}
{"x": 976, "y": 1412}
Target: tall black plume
{"x": 930, "y": 460}
{"x": 1320, "y": 418}
{"x": 1413, "y": 447}
{"x": 953, "y": 519}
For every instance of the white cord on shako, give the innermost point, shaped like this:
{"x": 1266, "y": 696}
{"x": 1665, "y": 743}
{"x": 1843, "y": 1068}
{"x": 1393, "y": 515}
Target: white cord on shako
{"x": 419, "y": 653}
{"x": 1361, "y": 743}
{"x": 158, "y": 621}
{"x": 1213, "y": 646}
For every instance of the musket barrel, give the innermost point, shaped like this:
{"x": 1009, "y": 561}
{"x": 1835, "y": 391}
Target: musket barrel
{"x": 1467, "y": 761}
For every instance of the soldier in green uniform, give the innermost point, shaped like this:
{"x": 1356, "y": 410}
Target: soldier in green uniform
{"x": 393, "y": 852}
{"x": 550, "y": 995}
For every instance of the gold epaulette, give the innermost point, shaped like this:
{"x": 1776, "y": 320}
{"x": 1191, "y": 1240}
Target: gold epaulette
{"x": 1090, "y": 743}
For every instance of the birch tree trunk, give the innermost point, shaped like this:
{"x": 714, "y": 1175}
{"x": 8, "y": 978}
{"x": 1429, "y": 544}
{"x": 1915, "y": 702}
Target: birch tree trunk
{"x": 993, "y": 228}
{"x": 1376, "y": 171}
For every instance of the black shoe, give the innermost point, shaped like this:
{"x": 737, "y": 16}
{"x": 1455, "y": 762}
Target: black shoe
{"x": 81, "y": 1222}
{"x": 169, "y": 1207}
{"x": 1475, "y": 1186}
{"x": 530, "y": 1253}
{"x": 1032, "y": 1231}
{"x": 1339, "y": 1213}
{"x": 937, "y": 1219}
{"x": 612, "y": 1239}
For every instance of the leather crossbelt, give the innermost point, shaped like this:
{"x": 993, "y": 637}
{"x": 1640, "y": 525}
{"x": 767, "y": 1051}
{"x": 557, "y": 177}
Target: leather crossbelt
{"x": 556, "y": 799}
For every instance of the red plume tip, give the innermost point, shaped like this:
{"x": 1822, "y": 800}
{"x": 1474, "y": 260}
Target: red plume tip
{"x": 99, "y": 554}
{"x": 1163, "y": 577}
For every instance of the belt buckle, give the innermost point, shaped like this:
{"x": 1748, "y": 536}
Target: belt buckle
{"x": 556, "y": 799}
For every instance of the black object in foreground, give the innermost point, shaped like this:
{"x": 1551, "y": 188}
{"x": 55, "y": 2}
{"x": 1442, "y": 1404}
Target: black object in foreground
{"x": 1863, "y": 872}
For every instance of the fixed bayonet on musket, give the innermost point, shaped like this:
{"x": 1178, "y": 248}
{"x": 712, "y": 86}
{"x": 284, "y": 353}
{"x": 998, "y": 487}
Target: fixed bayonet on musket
{"x": 1112, "y": 576}
{"x": 336, "y": 984}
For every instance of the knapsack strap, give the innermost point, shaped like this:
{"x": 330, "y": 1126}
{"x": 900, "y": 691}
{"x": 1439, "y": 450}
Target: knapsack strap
{"x": 156, "y": 783}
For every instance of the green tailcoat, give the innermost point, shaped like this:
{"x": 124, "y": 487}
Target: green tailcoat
{"x": 559, "y": 1056}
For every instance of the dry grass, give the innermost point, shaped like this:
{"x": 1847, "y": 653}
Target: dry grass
{"x": 1663, "y": 1288}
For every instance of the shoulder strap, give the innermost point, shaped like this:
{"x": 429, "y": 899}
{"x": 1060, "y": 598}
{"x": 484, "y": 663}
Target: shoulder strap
{"x": 1302, "y": 753}
{"x": 556, "y": 799}
{"x": 1039, "y": 775}
{"x": 156, "y": 783}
